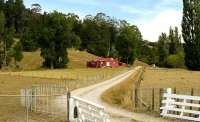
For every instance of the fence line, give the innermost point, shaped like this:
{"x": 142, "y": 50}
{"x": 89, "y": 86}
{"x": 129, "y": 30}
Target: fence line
{"x": 57, "y": 76}
{"x": 70, "y": 84}
{"x": 147, "y": 98}
{"x": 17, "y": 108}
{"x": 151, "y": 98}
{"x": 137, "y": 84}
{"x": 43, "y": 102}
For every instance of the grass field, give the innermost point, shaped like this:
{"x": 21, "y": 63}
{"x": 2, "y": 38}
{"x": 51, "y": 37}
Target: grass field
{"x": 12, "y": 81}
{"x": 183, "y": 80}
{"x": 78, "y": 59}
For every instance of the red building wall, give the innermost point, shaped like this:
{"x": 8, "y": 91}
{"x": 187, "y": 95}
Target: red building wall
{"x": 103, "y": 62}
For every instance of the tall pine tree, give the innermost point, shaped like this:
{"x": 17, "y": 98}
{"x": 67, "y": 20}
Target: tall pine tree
{"x": 191, "y": 33}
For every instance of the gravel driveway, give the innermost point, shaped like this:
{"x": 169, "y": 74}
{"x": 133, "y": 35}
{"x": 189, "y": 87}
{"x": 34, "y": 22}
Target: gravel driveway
{"x": 93, "y": 93}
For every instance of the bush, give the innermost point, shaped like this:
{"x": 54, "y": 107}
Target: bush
{"x": 174, "y": 61}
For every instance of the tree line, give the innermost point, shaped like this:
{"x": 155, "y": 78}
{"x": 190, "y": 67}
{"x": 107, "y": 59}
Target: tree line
{"x": 53, "y": 33}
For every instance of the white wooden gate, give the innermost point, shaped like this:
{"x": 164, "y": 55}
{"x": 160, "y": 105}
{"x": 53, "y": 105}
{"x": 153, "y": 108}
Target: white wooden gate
{"x": 87, "y": 111}
{"x": 181, "y": 105}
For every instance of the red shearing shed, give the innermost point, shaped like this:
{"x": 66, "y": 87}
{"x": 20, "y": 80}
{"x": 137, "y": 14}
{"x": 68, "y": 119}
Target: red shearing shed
{"x": 104, "y": 62}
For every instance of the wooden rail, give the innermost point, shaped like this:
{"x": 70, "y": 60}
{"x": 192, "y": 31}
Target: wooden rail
{"x": 181, "y": 105}
{"x": 87, "y": 111}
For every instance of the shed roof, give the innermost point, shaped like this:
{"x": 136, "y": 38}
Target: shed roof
{"x": 104, "y": 59}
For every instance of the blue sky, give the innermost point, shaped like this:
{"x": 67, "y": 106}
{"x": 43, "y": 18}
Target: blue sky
{"x": 151, "y": 16}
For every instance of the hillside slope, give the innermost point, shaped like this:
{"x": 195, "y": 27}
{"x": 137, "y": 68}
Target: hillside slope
{"x": 33, "y": 60}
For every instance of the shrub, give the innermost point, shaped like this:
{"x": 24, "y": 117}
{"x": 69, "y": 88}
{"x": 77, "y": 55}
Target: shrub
{"x": 174, "y": 61}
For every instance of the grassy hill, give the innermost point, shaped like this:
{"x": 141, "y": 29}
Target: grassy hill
{"x": 78, "y": 59}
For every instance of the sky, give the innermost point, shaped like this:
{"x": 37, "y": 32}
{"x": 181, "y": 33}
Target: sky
{"x": 152, "y": 17}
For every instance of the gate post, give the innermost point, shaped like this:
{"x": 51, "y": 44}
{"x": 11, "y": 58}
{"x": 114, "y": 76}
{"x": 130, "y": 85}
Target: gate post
{"x": 153, "y": 99}
{"x": 70, "y": 108}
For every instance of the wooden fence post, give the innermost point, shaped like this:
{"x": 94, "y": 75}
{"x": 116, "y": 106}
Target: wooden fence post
{"x": 160, "y": 98}
{"x": 132, "y": 97}
{"x": 135, "y": 100}
{"x": 191, "y": 101}
{"x": 153, "y": 99}
{"x": 68, "y": 111}
{"x": 175, "y": 90}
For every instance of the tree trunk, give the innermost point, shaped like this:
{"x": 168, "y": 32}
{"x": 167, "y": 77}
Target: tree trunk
{"x": 52, "y": 64}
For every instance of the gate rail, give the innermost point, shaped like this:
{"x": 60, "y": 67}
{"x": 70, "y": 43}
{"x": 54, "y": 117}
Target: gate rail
{"x": 86, "y": 110}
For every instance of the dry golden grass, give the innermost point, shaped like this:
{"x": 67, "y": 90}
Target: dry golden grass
{"x": 78, "y": 59}
{"x": 66, "y": 74}
{"x": 13, "y": 82}
{"x": 31, "y": 60}
{"x": 183, "y": 80}
{"x": 139, "y": 63}
{"x": 120, "y": 95}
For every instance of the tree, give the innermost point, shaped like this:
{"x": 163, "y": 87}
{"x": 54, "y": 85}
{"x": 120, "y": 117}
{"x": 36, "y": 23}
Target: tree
{"x": 76, "y": 30}
{"x": 19, "y": 18}
{"x": 163, "y": 48}
{"x": 28, "y": 42}
{"x": 174, "y": 41}
{"x": 17, "y": 52}
{"x": 2, "y": 23}
{"x": 10, "y": 12}
{"x": 1, "y": 5}
{"x": 54, "y": 39}
{"x": 191, "y": 33}
{"x": 36, "y": 8}
{"x": 176, "y": 53}
{"x": 126, "y": 45}
{"x": 6, "y": 40}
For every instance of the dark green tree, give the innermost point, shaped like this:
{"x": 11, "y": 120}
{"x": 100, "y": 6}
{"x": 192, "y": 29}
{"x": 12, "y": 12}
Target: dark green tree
{"x": 19, "y": 16}
{"x": 2, "y": 23}
{"x": 36, "y": 8}
{"x": 126, "y": 45}
{"x": 28, "y": 42}
{"x": 191, "y": 33}
{"x": 76, "y": 31}
{"x": 6, "y": 41}
{"x": 174, "y": 41}
{"x": 2, "y": 5}
{"x": 54, "y": 39}
{"x": 176, "y": 53}
{"x": 17, "y": 52}
{"x": 163, "y": 48}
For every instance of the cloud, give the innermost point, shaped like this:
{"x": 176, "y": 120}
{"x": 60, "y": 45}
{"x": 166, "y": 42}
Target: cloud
{"x": 132, "y": 10}
{"x": 151, "y": 29}
{"x": 85, "y": 2}
{"x": 166, "y": 3}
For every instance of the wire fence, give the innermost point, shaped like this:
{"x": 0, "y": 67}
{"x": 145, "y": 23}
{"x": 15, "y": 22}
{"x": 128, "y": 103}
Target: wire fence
{"x": 148, "y": 98}
{"x": 63, "y": 76}
{"x": 49, "y": 108}
{"x": 43, "y": 102}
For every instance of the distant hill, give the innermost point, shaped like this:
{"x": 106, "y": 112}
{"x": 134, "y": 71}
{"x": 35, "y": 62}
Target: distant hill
{"x": 78, "y": 59}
